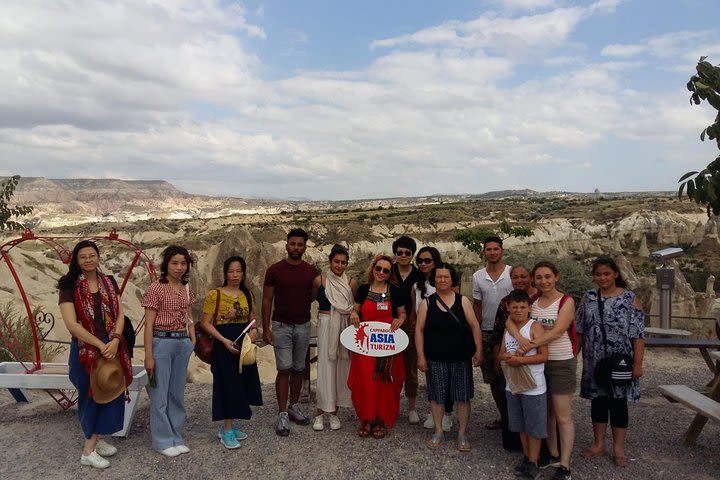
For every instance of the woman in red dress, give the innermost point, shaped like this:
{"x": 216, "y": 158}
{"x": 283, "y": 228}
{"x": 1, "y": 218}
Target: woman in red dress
{"x": 376, "y": 383}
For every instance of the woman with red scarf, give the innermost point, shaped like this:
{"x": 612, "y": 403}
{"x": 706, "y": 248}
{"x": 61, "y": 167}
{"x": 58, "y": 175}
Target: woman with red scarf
{"x": 92, "y": 313}
{"x": 375, "y": 383}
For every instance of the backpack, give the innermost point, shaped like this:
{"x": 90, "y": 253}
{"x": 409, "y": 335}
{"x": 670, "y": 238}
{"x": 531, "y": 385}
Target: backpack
{"x": 571, "y": 331}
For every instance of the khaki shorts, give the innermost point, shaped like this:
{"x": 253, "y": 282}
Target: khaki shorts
{"x": 561, "y": 376}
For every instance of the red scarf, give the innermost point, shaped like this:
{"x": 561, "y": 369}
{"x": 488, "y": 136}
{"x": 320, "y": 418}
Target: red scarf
{"x": 109, "y": 307}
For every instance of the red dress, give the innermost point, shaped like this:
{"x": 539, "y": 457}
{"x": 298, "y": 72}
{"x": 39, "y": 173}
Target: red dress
{"x": 375, "y": 398}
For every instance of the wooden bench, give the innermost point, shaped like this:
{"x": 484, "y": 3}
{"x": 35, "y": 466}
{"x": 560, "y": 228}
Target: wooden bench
{"x": 704, "y": 345}
{"x": 706, "y": 407}
{"x": 667, "y": 332}
{"x": 54, "y": 376}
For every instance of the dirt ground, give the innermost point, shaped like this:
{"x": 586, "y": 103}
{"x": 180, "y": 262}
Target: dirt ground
{"x": 40, "y": 440}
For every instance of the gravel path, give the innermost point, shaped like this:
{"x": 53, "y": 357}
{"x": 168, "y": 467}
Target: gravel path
{"x": 39, "y": 440}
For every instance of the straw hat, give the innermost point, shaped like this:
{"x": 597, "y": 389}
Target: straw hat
{"x": 247, "y": 352}
{"x": 107, "y": 380}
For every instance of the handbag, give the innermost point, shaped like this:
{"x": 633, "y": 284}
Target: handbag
{"x": 469, "y": 341}
{"x": 129, "y": 334}
{"x": 615, "y": 370}
{"x": 519, "y": 379}
{"x": 203, "y": 340}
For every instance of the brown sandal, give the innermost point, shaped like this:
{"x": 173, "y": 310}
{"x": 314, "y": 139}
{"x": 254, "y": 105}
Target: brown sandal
{"x": 364, "y": 430}
{"x": 379, "y": 430}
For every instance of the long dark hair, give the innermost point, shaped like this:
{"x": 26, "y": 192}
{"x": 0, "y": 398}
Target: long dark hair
{"x": 243, "y": 287}
{"x": 67, "y": 281}
{"x": 167, "y": 255}
{"x": 609, "y": 262}
{"x": 437, "y": 261}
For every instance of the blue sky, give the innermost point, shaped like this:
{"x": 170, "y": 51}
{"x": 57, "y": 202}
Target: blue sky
{"x": 340, "y": 100}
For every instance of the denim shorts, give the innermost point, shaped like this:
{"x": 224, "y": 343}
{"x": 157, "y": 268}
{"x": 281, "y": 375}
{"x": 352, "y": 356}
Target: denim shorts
{"x": 291, "y": 345}
{"x": 527, "y": 414}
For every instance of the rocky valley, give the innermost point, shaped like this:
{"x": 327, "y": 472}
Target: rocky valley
{"x": 569, "y": 228}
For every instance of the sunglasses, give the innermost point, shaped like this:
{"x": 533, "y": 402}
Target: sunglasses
{"x": 403, "y": 253}
{"x": 379, "y": 269}
{"x": 426, "y": 261}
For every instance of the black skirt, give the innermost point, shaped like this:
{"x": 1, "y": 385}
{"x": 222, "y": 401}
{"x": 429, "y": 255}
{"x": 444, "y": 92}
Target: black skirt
{"x": 233, "y": 392}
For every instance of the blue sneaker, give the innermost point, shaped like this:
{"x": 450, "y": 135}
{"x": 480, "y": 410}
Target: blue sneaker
{"x": 239, "y": 434}
{"x": 228, "y": 440}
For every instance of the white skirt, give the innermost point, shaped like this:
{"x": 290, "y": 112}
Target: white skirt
{"x": 332, "y": 389}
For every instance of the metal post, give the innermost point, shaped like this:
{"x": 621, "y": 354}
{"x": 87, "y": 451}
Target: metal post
{"x": 665, "y": 277}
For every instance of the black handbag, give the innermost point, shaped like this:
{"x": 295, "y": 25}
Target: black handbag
{"x": 615, "y": 370}
{"x": 129, "y": 335}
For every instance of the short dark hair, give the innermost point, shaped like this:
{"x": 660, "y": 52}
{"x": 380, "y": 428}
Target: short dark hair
{"x": 404, "y": 242}
{"x": 492, "y": 239}
{"x": 338, "y": 249}
{"x": 518, "y": 295}
{"x": 298, "y": 232}
{"x": 167, "y": 255}
{"x": 445, "y": 266}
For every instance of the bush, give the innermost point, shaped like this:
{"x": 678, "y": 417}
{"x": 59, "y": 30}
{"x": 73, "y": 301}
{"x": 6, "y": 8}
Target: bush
{"x": 19, "y": 328}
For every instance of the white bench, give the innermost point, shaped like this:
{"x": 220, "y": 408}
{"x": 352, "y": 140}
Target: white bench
{"x": 54, "y": 376}
{"x": 706, "y": 407}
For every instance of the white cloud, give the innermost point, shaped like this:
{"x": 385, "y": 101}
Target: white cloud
{"x": 170, "y": 90}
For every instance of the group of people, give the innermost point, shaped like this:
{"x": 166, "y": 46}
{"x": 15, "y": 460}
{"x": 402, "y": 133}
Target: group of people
{"x": 516, "y": 319}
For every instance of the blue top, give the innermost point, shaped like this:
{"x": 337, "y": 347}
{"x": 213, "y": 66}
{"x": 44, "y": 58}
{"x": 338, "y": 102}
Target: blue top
{"x": 323, "y": 302}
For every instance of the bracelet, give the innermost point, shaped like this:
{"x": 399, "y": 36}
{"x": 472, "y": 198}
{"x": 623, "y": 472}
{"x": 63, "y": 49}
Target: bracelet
{"x": 117, "y": 336}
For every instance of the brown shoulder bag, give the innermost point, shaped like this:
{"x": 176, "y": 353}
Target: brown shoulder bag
{"x": 203, "y": 340}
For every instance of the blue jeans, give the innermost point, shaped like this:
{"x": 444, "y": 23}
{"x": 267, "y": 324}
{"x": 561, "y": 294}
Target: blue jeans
{"x": 167, "y": 408}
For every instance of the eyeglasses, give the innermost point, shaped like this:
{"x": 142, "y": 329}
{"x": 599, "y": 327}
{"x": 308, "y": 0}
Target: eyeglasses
{"x": 379, "y": 269}
{"x": 403, "y": 253}
{"x": 426, "y": 261}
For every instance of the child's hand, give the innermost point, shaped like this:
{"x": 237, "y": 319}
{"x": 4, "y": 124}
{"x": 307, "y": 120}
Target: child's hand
{"x": 514, "y": 361}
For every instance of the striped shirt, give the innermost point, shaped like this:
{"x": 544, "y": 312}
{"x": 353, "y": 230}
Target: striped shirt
{"x": 560, "y": 348}
{"x": 170, "y": 304}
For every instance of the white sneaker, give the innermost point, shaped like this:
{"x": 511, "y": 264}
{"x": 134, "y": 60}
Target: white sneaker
{"x": 94, "y": 460}
{"x": 429, "y": 423}
{"x": 318, "y": 423}
{"x": 334, "y": 422}
{"x": 413, "y": 417}
{"x": 447, "y": 422}
{"x": 182, "y": 449}
{"x": 170, "y": 452}
{"x": 104, "y": 449}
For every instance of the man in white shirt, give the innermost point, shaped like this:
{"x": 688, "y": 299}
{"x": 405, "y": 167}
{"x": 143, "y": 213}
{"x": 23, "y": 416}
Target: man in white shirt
{"x": 490, "y": 285}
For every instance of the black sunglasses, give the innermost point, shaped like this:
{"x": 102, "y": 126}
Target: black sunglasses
{"x": 379, "y": 269}
{"x": 403, "y": 253}
{"x": 428, "y": 261}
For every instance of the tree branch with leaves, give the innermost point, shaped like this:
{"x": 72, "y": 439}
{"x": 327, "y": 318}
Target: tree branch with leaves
{"x": 703, "y": 187}
{"x": 7, "y": 189}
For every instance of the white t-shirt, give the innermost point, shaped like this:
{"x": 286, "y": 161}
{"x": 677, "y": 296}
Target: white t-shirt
{"x": 490, "y": 293}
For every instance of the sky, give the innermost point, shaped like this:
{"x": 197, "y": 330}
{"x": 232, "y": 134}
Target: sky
{"x": 331, "y": 99}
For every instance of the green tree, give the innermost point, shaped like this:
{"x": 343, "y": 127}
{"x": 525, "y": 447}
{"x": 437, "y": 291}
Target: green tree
{"x": 703, "y": 187}
{"x": 7, "y": 189}
{"x": 473, "y": 238}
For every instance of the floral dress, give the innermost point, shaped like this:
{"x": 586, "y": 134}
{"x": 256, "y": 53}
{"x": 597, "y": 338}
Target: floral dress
{"x": 623, "y": 323}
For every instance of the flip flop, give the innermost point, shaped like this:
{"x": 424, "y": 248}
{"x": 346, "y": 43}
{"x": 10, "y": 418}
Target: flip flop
{"x": 589, "y": 453}
{"x": 621, "y": 461}
{"x": 462, "y": 444}
{"x": 435, "y": 441}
